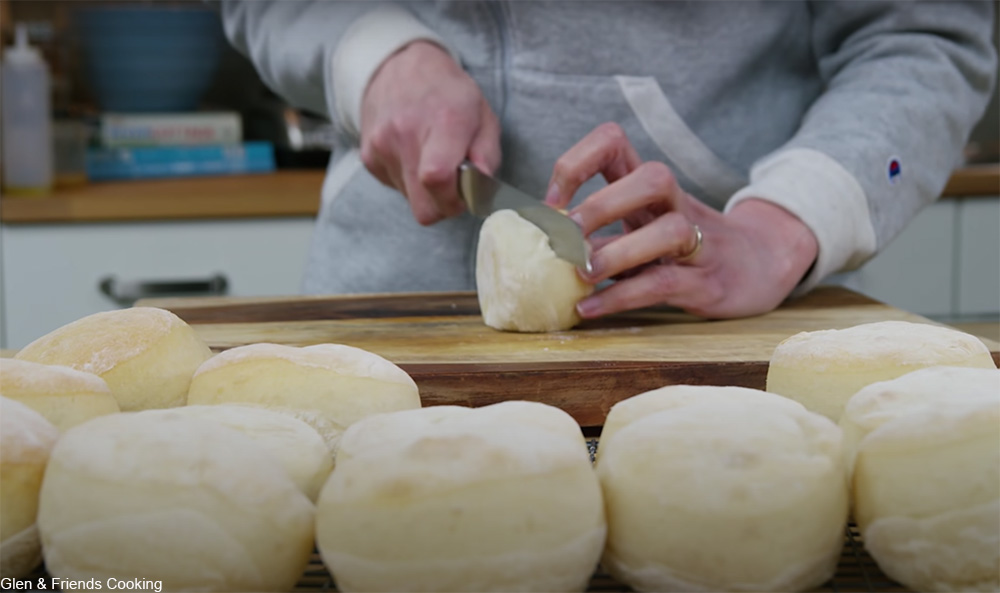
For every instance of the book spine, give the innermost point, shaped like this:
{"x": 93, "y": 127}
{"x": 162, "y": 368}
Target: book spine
{"x": 108, "y": 164}
{"x": 165, "y": 130}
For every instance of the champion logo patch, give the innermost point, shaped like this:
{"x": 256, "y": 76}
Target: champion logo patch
{"x": 893, "y": 170}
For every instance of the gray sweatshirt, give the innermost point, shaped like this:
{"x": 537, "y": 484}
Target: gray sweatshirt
{"x": 851, "y": 115}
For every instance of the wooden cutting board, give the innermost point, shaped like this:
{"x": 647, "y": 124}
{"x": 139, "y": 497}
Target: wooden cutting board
{"x": 441, "y": 341}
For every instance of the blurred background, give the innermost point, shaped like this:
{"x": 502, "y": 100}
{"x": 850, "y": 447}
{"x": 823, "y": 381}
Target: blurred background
{"x": 177, "y": 172}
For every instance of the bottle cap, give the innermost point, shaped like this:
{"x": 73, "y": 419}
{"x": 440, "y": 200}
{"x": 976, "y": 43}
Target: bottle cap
{"x": 22, "y": 52}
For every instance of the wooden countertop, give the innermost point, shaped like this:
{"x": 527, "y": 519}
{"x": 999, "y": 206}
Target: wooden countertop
{"x": 282, "y": 194}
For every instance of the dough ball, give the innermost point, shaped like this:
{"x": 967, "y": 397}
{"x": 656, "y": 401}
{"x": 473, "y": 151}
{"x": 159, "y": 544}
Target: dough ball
{"x": 146, "y": 355}
{"x": 158, "y": 496}
{"x": 499, "y": 498}
{"x": 522, "y": 285}
{"x": 823, "y": 369}
{"x": 332, "y": 384}
{"x": 26, "y": 439}
{"x": 291, "y": 442}
{"x": 726, "y": 496}
{"x": 927, "y": 477}
{"x": 674, "y": 396}
{"x": 64, "y": 396}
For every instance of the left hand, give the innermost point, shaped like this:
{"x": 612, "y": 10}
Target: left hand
{"x": 750, "y": 259}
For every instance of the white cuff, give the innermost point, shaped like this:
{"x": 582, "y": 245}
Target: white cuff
{"x": 367, "y": 43}
{"x": 824, "y": 196}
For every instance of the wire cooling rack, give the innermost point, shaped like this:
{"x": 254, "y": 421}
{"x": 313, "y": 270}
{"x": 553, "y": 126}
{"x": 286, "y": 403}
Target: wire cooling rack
{"x": 856, "y": 572}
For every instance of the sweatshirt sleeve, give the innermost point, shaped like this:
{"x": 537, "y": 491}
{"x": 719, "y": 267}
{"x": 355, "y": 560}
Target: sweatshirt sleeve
{"x": 320, "y": 55}
{"x": 905, "y": 82}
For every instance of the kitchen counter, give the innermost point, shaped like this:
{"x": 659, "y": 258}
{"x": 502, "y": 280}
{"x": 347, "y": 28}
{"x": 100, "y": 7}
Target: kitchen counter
{"x": 282, "y": 194}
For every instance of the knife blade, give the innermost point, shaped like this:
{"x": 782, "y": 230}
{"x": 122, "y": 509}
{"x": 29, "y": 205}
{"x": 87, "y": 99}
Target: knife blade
{"x": 484, "y": 195}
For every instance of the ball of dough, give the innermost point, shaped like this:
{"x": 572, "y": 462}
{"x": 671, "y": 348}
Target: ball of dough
{"x": 335, "y": 385}
{"x": 291, "y": 442}
{"x": 927, "y": 477}
{"x": 724, "y": 495}
{"x": 823, "y": 369}
{"x": 26, "y": 439}
{"x": 629, "y": 410}
{"x": 146, "y": 355}
{"x": 167, "y": 498}
{"x": 522, "y": 285}
{"x": 499, "y": 498}
{"x": 64, "y": 396}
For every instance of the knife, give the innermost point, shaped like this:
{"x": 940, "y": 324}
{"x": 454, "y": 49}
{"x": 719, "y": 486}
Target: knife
{"x": 484, "y": 195}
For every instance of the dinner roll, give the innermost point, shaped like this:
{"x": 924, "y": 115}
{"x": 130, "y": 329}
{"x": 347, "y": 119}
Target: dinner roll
{"x": 64, "y": 396}
{"x": 499, "y": 498}
{"x": 673, "y": 396}
{"x": 522, "y": 285}
{"x": 293, "y": 443}
{"x": 927, "y": 477}
{"x": 26, "y": 439}
{"x": 335, "y": 385}
{"x": 146, "y": 355}
{"x": 169, "y": 498}
{"x": 823, "y": 369}
{"x": 724, "y": 495}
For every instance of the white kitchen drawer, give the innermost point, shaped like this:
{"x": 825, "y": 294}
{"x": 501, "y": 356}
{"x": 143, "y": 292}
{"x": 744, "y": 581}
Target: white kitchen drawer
{"x": 916, "y": 271}
{"x": 979, "y": 257}
{"x": 51, "y": 273}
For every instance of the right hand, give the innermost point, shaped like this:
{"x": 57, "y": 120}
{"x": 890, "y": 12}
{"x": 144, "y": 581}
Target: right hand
{"x": 421, "y": 116}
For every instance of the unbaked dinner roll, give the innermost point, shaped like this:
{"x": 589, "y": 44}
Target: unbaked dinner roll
{"x": 499, "y": 498}
{"x": 522, "y": 285}
{"x": 162, "y": 497}
{"x": 927, "y": 477}
{"x": 64, "y": 396}
{"x": 823, "y": 369}
{"x": 724, "y": 495}
{"x": 336, "y": 385}
{"x": 146, "y": 355}
{"x": 293, "y": 443}
{"x": 26, "y": 439}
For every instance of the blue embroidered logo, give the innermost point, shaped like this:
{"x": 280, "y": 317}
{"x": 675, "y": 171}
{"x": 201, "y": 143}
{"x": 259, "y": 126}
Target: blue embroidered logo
{"x": 894, "y": 170}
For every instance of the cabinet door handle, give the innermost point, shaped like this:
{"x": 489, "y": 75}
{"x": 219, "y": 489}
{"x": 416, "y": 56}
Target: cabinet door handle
{"x": 127, "y": 292}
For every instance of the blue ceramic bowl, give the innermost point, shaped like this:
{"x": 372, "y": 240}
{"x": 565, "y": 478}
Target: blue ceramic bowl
{"x": 143, "y": 58}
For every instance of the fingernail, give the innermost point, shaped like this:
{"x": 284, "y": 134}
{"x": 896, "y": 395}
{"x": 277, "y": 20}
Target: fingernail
{"x": 552, "y": 196}
{"x": 588, "y": 307}
{"x": 575, "y": 217}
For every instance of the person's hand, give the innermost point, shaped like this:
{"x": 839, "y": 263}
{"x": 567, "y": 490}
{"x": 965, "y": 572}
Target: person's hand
{"x": 421, "y": 116}
{"x": 747, "y": 263}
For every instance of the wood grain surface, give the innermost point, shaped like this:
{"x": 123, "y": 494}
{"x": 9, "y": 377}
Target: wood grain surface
{"x": 441, "y": 341}
{"x": 279, "y": 194}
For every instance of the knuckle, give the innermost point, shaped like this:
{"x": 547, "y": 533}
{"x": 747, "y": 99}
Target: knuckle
{"x": 435, "y": 176}
{"x": 658, "y": 175}
{"x": 399, "y": 123}
{"x": 612, "y": 133}
{"x": 566, "y": 173}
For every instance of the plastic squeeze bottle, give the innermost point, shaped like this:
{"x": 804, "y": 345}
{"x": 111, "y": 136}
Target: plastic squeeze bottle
{"x": 26, "y": 119}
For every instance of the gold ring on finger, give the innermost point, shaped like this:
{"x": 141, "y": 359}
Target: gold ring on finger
{"x": 694, "y": 250}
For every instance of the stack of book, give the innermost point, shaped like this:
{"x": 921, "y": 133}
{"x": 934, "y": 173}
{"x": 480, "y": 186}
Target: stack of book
{"x": 145, "y": 146}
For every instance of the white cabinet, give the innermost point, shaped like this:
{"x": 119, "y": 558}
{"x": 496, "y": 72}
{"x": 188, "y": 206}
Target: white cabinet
{"x": 915, "y": 272}
{"x": 945, "y": 264}
{"x": 979, "y": 258}
{"x": 51, "y": 272}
